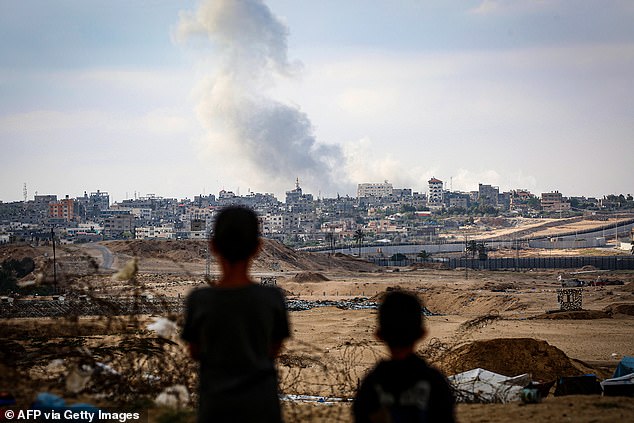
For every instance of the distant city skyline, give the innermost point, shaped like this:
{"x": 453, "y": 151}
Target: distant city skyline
{"x": 139, "y": 195}
{"x": 191, "y": 97}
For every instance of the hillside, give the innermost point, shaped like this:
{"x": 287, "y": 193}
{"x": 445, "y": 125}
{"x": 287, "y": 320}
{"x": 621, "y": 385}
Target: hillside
{"x": 274, "y": 255}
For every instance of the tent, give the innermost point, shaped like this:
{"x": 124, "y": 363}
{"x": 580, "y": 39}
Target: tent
{"x": 479, "y": 385}
{"x": 622, "y": 386}
{"x": 625, "y": 367}
{"x": 578, "y": 385}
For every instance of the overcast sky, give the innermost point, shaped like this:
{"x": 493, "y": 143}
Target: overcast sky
{"x": 180, "y": 98}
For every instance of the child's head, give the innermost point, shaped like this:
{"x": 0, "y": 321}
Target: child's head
{"x": 400, "y": 320}
{"x": 236, "y": 235}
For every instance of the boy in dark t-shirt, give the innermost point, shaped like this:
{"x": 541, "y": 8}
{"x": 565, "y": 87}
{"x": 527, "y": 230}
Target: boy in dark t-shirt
{"x": 403, "y": 389}
{"x": 236, "y": 329}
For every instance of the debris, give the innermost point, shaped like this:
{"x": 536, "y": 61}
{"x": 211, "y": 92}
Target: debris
{"x": 313, "y": 398}
{"x": 24, "y": 284}
{"x": 78, "y": 378}
{"x": 482, "y": 386}
{"x": 164, "y": 328}
{"x": 175, "y": 396}
{"x": 530, "y": 396}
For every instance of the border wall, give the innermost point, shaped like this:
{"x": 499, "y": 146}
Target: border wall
{"x": 524, "y": 263}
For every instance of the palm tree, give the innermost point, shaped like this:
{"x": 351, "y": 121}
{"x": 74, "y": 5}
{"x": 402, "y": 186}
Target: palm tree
{"x": 472, "y": 247}
{"x": 482, "y": 251}
{"x": 358, "y": 237}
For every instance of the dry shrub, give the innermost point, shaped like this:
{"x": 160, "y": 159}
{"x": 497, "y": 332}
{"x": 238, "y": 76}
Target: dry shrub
{"x": 94, "y": 344}
{"x": 479, "y": 322}
{"x": 325, "y": 381}
{"x": 100, "y": 331}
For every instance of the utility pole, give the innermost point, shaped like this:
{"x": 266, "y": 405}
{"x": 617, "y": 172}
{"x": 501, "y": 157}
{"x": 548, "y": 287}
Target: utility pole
{"x": 208, "y": 258}
{"x": 517, "y": 254}
{"x": 466, "y": 266}
{"x": 54, "y": 261}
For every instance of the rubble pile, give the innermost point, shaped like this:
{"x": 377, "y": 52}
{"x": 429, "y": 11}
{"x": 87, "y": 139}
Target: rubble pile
{"x": 84, "y": 306}
{"x": 358, "y": 303}
{"x": 89, "y": 307}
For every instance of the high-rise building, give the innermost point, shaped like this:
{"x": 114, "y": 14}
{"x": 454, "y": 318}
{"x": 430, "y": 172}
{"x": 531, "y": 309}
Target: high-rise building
{"x": 435, "y": 193}
{"x": 488, "y": 195}
{"x": 384, "y": 189}
{"x": 63, "y": 209}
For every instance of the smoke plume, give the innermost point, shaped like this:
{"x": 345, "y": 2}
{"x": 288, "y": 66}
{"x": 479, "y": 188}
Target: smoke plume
{"x": 243, "y": 119}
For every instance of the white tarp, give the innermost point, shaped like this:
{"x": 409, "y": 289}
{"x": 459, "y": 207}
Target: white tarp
{"x": 479, "y": 385}
{"x": 619, "y": 386}
{"x": 313, "y": 398}
{"x": 623, "y": 380}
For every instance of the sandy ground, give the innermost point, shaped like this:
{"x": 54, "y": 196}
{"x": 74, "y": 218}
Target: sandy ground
{"x": 486, "y": 228}
{"x": 332, "y": 335}
{"x": 332, "y": 348}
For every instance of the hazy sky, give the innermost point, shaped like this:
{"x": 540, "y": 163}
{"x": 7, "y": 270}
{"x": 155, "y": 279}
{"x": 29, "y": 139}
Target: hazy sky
{"x": 179, "y": 98}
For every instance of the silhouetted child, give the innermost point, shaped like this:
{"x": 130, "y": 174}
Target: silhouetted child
{"x": 404, "y": 388}
{"x": 236, "y": 329}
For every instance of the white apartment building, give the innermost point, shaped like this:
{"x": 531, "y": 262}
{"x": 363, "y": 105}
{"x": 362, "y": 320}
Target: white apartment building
{"x": 279, "y": 222}
{"x": 138, "y": 212}
{"x": 193, "y": 213}
{"x": 154, "y": 232}
{"x": 272, "y": 223}
{"x": 435, "y": 195}
{"x": 374, "y": 190}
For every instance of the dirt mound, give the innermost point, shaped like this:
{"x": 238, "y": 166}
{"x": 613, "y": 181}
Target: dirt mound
{"x": 17, "y": 252}
{"x": 620, "y": 308}
{"x": 628, "y": 287}
{"x": 177, "y": 250}
{"x": 510, "y": 357}
{"x": 378, "y": 298}
{"x": 574, "y": 315}
{"x": 473, "y": 303}
{"x": 500, "y": 286}
{"x": 275, "y": 255}
{"x": 309, "y": 277}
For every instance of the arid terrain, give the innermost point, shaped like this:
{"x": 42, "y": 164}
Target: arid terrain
{"x": 495, "y": 320}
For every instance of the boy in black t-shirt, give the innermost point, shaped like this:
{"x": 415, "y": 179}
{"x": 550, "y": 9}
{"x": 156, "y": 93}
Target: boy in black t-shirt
{"x": 403, "y": 389}
{"x": 236, "y": 329}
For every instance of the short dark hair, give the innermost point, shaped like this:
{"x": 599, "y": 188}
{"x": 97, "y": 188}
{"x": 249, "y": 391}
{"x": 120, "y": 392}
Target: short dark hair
{"x": 236, "y": 233}
{"x": 400, "y": 319}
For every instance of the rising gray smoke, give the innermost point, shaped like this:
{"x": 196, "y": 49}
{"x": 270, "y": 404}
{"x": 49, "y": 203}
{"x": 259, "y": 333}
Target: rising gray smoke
{"x": 277, "y": 139}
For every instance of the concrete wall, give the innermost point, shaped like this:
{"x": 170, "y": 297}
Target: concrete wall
{"x": 568, "y": 243}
